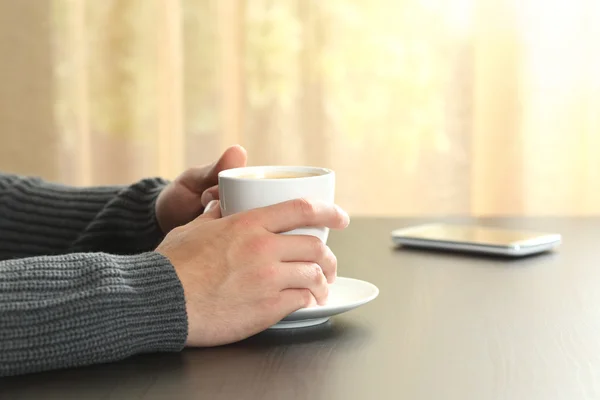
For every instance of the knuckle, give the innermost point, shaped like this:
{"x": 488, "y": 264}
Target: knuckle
{"x": 177, "y": 231}
{"x": 267, "y": 272}
{"x": 259, "y": 244}
{"x": 306, "y": 298}
{"x": 243, "y": 221}
{"x": 331, "y": 258}
{"x": 305, "y": 207}
{"x": 315, "y": 274}
{"x": 325, "y": 292}
{"x": 262, "y": 278}
{"x": 319, "y": 248}
{"x": 329, "y": 265}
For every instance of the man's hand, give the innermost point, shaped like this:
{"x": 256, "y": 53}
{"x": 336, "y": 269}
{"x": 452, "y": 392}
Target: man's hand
{"x": 185, "y": 198}
{"x": 239, "y": 276}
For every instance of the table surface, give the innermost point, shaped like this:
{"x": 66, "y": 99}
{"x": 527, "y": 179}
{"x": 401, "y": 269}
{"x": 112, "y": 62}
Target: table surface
{"x": 445, "y": 326}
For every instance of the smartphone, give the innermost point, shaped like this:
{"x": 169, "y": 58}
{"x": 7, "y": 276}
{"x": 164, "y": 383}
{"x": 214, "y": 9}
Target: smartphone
{"x": 476, "y": 239}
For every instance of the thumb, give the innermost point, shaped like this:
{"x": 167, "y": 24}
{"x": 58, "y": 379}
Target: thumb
{"x": 233, "y": 157}
{"x": 199, "y": 179}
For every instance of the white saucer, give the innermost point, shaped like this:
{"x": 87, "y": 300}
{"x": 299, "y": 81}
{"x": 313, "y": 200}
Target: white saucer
{"x": 345, "y": 294}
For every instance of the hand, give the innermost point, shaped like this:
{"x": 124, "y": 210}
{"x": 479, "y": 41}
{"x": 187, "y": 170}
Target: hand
{"x": 239, "y": 276}
{"x": 185, "y": 198}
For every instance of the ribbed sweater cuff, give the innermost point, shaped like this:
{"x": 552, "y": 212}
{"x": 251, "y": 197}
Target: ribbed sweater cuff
{"x": 82, "y": 309}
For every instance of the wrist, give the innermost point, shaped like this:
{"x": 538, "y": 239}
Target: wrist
{"x": 157, "y": 309}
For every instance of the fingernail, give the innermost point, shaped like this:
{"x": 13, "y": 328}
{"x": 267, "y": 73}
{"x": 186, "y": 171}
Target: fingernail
{"x": 206, "y": 198}
{"x": 211, "y": 204}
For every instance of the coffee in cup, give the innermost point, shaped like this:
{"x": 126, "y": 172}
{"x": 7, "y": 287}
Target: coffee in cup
{"x": 278, "y": 175}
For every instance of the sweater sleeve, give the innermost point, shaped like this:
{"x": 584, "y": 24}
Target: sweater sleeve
{"x": 79, "y": 309}
{"x": 42, "y": 218}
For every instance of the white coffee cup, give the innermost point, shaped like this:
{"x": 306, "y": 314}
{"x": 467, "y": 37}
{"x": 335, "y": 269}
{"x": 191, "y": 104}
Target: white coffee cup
{"x": 242, "y": 189}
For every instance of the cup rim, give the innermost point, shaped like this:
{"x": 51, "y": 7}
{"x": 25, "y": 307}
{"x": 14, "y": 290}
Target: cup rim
{"x": 233, "y": 173}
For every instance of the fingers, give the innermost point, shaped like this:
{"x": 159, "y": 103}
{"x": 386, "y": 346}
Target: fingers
{"x": 199, "y": 179}
{"x": 310, "y": 249}
{"x": 300, "y": 275}
{"x": 233, "y": 157}
{"x": 212, "y": 211}
{"x": 291, "y": 300}
{"x": 300, "y": 213}
{"x": 209, "y": 195}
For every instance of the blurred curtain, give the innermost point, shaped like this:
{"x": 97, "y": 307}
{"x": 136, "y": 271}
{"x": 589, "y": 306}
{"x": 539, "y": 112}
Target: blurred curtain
{"x": 421, "y": 106}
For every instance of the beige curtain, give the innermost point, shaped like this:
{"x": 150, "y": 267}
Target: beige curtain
{"x": 480, "y": 107}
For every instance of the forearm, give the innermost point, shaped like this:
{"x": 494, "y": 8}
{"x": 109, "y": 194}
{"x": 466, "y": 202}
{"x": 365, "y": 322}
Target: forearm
{"x": 41, "y": 218}
{"x": 81, "y": 309}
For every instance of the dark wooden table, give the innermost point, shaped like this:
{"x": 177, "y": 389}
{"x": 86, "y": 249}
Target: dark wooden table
{"x": 445, "y": 326}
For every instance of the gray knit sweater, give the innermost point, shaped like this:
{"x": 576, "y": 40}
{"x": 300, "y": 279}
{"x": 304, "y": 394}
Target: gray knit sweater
{"x": 79, "y": 283}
